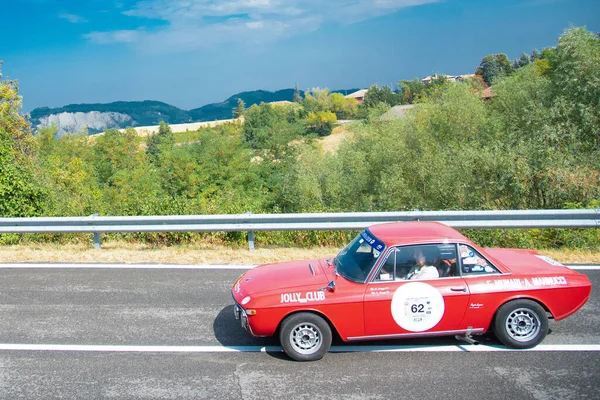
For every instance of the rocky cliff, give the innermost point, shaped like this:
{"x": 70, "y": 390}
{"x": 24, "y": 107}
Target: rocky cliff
{"x": 78, "y": 122}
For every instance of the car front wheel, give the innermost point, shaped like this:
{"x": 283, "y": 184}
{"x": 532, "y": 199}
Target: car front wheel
{"x": 521, "y": 324}
{"x": 305, "y": 336}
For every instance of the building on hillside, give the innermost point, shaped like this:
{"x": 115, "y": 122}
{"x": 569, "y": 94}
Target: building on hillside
{"x": 460, "y": 78}
{"x": 454, "y": 78}
{"x": 359, "y": 95}
{"x": 487, "y": 94}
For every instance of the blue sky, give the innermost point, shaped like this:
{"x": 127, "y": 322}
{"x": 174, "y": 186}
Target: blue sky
{"x": 192, "y": 52}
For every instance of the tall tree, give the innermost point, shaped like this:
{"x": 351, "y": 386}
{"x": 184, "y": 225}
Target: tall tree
{"x": 297, "y": 96}
{"x": 411, "y": 90}
{"x": 20, "y": 193}
{"x": 239, "y": 110}
{"x": 494, "y": 66}
{"x": 160, "y": 142}
{"x": 376, "y": 95}
{"x": 575, "y": 72}
{"x": 522, "y": 61}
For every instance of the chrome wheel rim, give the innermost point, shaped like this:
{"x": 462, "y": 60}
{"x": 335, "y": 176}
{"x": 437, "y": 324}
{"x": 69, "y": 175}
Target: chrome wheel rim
{"x": 305, "y": 338}
{"x": 523, "y": 325}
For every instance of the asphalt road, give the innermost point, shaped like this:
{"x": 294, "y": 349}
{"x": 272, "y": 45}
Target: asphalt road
{"x": 170, "y": 333}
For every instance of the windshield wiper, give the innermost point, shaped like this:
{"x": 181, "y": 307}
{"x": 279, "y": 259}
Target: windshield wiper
{"x": 335, "y": 268}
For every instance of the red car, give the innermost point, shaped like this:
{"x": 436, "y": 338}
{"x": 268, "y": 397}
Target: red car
{"x": 406, "y": 280}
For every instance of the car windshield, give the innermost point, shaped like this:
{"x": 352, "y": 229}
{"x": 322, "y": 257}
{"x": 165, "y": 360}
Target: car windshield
{"x": 357, "y": 259}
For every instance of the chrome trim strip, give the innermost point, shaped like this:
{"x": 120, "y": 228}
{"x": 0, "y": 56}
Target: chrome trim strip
{"x": 418, "y": 334}
{"x": 312, "y": 271}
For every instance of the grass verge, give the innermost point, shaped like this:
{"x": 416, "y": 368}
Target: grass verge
{"x": 124, "y": 252}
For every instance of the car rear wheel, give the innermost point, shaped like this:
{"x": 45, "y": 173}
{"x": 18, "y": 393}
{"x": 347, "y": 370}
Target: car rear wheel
{"x": 521, "y": 324}
{"x": 305, "y": 336}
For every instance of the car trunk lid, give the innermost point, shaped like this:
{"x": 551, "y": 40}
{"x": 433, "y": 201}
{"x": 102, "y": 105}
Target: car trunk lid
{"x": 527, "y": 261}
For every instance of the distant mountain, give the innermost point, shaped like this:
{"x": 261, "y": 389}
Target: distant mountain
{"x": 224, "y": 109}
{"x": 96, "y": 118}
{"x": 99, "y": 117}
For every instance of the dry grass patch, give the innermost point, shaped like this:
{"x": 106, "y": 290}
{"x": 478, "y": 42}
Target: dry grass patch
{"x": 573, "y": 256}
{"x": 331, "y": 143}
{"x": 129, "y": 253}
{"x": 121, "y": 252}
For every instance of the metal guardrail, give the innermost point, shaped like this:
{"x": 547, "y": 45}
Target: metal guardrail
{"x": 586, "y": 218}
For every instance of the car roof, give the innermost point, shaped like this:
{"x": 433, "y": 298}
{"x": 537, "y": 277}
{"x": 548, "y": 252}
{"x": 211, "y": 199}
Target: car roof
{"x": 397, "y": 233}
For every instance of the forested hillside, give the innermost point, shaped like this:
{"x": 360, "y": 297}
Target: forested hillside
{"x": 535, "y": 144}
{"x": 142, "y": 112}
{"x": 94, "y": 118}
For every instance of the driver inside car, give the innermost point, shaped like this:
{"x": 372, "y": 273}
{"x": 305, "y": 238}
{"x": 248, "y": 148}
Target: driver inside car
{"x": 421, "y": 270}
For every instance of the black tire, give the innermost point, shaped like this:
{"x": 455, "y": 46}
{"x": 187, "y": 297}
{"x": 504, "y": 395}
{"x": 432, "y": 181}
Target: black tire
{"x": 305, "y": 336}
{"x": 521, "y": 324}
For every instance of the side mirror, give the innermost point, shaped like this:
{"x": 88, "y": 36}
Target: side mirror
{"x": 331, "y": 286}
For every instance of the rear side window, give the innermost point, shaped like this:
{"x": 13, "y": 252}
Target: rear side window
{"x": 473, "y": 263}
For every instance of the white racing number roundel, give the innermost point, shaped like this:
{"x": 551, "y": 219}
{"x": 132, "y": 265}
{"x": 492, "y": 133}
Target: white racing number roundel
{"x": 417, "y": 306}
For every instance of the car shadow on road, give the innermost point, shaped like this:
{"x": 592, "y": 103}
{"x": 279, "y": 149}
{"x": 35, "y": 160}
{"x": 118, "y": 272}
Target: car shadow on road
{"x": 229, "y": 332}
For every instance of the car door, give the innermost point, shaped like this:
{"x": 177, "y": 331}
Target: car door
{"x": 396, "y": 306}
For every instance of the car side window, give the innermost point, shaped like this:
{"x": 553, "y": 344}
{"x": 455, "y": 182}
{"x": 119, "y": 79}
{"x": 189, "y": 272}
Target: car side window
{"x": 448, "y": 264}
{"x": 419, "y": 262}
{"x": 473, "y": 263}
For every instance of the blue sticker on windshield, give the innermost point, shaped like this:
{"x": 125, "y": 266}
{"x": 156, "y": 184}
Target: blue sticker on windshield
{"x": 375, "y": 243}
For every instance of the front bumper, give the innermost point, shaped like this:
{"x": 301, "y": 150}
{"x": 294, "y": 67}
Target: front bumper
{"x": 240, "y": 314}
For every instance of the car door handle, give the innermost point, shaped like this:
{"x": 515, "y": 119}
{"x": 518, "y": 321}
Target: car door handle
{"x": 459, "y": 289}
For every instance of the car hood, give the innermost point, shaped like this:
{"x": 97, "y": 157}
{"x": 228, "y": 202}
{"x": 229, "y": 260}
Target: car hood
{"x": 522, "y": 261}
{"x": 269, "y": 278}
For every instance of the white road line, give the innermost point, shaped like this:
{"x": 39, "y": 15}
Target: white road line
{"x": 262, "y": 349}
{"x": 125, "y": 266}
{"x": 26, "y": 265}
{"x": 584, "y": 267}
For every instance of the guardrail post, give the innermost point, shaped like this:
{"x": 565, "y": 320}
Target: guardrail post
{"x": 96, "y": 235}
{"x": 250, "y": 236}
{"x": 97, "y": 240}
{"x": 251, "y": 240}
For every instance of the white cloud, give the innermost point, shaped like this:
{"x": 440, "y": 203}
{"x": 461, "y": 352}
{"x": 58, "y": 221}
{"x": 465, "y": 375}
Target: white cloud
{"x": 123, "y": 36}
{"x": 191, "y": 24}
{"x": 73, "y": 18}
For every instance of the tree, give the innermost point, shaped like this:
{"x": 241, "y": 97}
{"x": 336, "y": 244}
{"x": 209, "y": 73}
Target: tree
{"x": 494, "y": 66}
{"x": 575, "y": 74}
{"x": 160, "y": 142}
{"x": 256, "y": 119}
{"x": 384, "y": 94}
{"x": 411, "y": 90}
{"x": 239, "y": 110}
{"x": 115, "y": 151}
{"x": 11, "y": 121}
{"x": 297, "y": 96}
{"x": 321, "y": 122}
{"x": 342, "y": 107}
{"x": 317, "y": 100}
{"x": 522, "y": 61}
{"x": 20, "y": 193}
